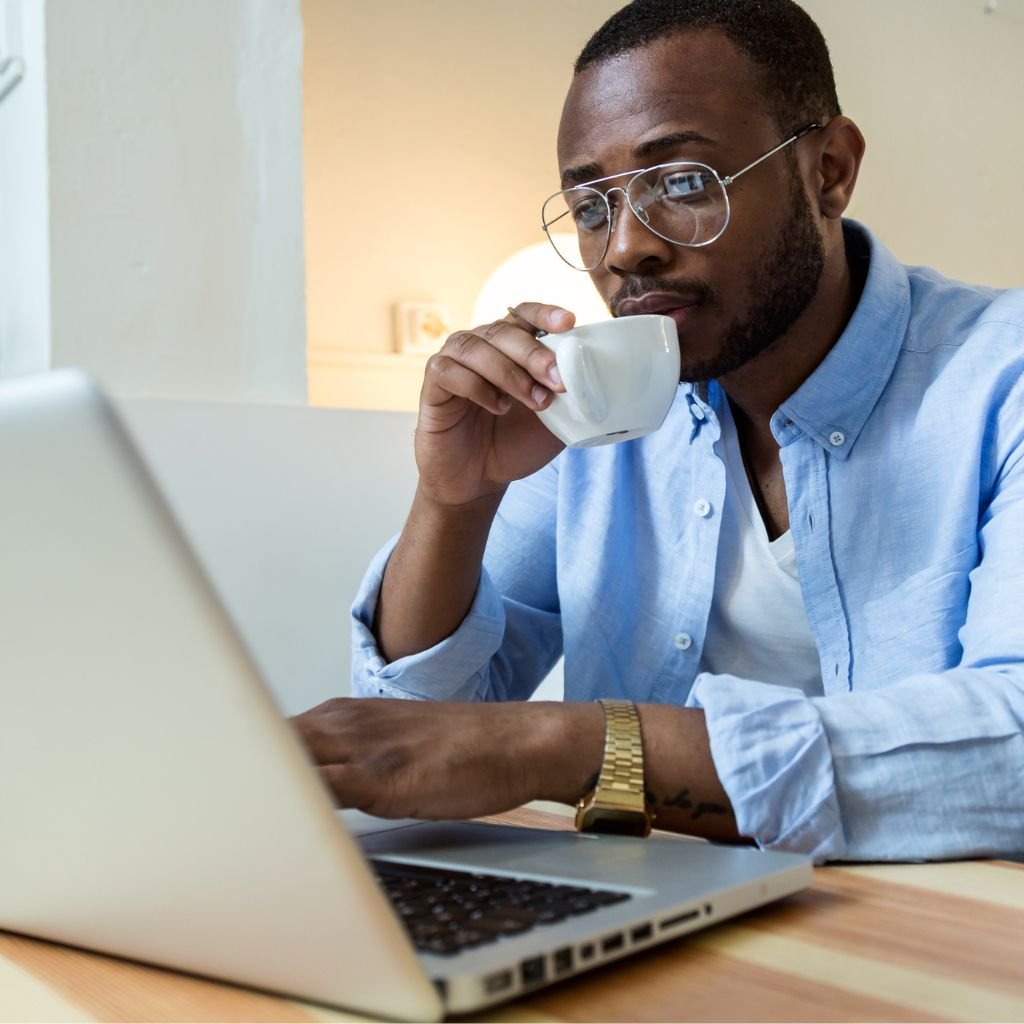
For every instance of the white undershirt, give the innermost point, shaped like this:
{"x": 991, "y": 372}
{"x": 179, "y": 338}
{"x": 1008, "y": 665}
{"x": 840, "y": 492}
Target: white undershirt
{"x": 757, "y": 627}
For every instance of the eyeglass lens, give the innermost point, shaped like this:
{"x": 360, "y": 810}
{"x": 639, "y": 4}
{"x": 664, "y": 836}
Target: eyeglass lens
{"x": 684, "y": 203}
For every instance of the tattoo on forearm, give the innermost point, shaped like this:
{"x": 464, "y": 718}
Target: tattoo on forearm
{"x": 703, "y": 808}
{"x": 683, "y": 802}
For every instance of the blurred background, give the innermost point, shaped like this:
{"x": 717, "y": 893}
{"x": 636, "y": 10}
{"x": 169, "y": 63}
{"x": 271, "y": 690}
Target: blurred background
{"x": 268, "y": 199}
{"x": 252, "y": 221}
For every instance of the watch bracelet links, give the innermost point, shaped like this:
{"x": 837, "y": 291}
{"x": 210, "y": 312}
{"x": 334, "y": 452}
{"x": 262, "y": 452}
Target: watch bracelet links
{"x": 622, "y": 770}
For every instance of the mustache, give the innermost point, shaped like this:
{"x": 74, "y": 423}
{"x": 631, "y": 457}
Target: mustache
{"x": 636, "y": 287}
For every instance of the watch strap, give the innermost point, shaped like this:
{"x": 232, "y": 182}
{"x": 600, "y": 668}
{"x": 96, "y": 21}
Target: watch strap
{"x": 618, "y": 802}
{"x": 622, "y": 771}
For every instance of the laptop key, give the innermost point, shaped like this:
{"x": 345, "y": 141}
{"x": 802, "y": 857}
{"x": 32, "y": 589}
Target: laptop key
{"x": 445, "y": 946}
{"x": 428, "y": 931}
{"x": 561, "y": 892}
{"x": 550, "y": 915}
{"x": 580, "y": 906}
{"x": 473, "y": 937}
{"x": 469, "y": 906}
{"x": 502, "y": 925}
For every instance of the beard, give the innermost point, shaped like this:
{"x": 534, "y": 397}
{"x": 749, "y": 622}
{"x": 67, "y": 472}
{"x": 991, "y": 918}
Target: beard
{"x": 780, "y": 290}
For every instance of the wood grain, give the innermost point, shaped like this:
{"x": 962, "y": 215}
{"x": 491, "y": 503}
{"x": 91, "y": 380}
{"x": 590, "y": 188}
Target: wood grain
{"x": 913, "y": 942}
{"x": 104, "y": 988}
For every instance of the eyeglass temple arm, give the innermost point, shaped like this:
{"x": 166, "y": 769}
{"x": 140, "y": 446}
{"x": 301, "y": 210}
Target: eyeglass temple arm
{"x": 799, "y": 134}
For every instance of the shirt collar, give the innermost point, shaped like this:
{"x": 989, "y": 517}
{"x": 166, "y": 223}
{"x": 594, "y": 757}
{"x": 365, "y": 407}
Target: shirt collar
{"x": 833, "y": 404}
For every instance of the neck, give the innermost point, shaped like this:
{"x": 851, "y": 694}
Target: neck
{"x": 757, "y": 389}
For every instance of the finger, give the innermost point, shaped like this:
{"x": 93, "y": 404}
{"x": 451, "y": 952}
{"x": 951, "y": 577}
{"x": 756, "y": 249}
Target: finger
{"x": 470, "y": 366}
{"x": 513, "y": 337}
{"x": 554, "y": 319}
{"x": 327, "y": 737}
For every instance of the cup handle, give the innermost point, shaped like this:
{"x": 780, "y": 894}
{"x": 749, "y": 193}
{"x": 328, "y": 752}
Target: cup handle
{"x": 582, "y": 388}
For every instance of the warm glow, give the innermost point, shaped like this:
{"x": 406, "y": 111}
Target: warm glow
{"x": 537, "y": 274}
{"x": 369, "y": 380}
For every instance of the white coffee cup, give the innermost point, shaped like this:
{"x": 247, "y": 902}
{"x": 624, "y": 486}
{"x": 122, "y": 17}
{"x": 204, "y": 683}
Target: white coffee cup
{"x": 620, "y": 379}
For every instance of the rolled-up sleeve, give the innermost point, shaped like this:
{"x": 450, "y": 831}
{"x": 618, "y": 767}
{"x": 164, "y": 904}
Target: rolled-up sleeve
{"x": 928, "y": 766}
{"x": 511, "y": 635}
{"x": 772, "y": 755}
{"x": 450, "y": 670}
{"x": 931, "y": 767}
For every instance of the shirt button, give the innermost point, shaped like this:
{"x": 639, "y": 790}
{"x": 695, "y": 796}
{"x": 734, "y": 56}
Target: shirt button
{"x": 702, "y": 508}
{"x": 683, "y": 641}
{"x": 837, "y": 438}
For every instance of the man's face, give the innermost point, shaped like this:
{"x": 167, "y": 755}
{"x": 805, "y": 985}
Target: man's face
{"x": 695, "y": 97}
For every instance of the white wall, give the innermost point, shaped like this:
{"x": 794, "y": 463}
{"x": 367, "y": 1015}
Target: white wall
{"x": 174, "y": 194}
{"x": 284, "y": 512}
{"x": 24, "y": 197}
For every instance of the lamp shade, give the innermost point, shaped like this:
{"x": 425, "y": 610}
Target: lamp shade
{"x": 537, "y": 274}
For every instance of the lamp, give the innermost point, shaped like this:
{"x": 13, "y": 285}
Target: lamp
{"x": 537, "y": 274}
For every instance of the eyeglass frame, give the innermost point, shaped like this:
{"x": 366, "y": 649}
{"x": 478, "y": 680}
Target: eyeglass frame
{"x": 723, "y": 182}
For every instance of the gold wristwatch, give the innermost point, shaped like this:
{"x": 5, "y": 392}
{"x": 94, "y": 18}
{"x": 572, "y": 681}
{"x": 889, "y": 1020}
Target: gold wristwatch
{"x": 617, "y": 805}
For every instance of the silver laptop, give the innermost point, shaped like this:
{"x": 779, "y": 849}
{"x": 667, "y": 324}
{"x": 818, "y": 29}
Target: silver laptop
{"x": 155, "y": 804}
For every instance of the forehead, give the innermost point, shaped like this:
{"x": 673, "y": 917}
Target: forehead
{"x": 694, "y": 81}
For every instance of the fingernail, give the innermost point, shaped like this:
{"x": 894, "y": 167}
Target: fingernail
{"x": 504, "y": 403}
{"x": 540, "y": 395}
{"x": 555, "y": 377}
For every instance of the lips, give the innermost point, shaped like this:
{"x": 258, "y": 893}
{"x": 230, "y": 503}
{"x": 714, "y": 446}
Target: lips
{"x": 657, "y": 302}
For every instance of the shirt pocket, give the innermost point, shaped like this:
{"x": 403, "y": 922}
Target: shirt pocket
{"x": 922, "y": 616}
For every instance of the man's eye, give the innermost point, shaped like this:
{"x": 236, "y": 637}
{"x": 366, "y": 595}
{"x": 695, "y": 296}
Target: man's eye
{"x": 590, "y": 214}
{"x": 683, "y": 184}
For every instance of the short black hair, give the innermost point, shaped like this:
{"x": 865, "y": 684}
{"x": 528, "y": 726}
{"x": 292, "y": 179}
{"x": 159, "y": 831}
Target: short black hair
{"x": 777, "y": 35}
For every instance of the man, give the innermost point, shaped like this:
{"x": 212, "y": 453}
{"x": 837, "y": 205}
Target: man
{"x": 807, "y": 582}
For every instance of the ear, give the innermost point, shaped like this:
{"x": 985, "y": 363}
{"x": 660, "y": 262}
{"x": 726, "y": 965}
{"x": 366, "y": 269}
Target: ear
{"x": 838, "y": 152}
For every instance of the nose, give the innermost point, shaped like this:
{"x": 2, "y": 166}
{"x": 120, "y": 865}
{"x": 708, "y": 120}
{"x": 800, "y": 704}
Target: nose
{"x": 632, "y": 246}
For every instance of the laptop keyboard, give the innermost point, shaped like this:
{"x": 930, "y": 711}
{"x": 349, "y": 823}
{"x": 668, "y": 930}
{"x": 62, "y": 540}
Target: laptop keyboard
{"x": 446, "y": 911}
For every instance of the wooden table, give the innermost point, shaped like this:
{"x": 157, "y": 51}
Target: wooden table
{"x": 906, "y": 942}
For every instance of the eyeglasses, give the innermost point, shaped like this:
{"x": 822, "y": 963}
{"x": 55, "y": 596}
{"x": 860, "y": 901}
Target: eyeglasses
{"x": 684, "y": 203}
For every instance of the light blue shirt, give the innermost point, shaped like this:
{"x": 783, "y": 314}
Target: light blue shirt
{"x": 903, "y": 456}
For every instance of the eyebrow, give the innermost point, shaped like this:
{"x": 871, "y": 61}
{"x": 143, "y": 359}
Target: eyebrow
{"x": 591, "y": 172}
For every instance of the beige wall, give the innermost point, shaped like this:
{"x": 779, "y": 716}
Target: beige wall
{"x": 429, "y": 128}
{"x": 937, "y": 86}
{"x": 440, "y": 106}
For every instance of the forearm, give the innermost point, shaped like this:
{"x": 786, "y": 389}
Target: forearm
{"x": 432, "y": 576}
{"x": 459, "y": 759}
{"x": 682, "y": 785}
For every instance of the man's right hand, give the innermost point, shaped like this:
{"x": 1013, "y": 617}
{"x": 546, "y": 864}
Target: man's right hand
{"x": 477, "y": 428}
{"x": 477, "y": 432}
